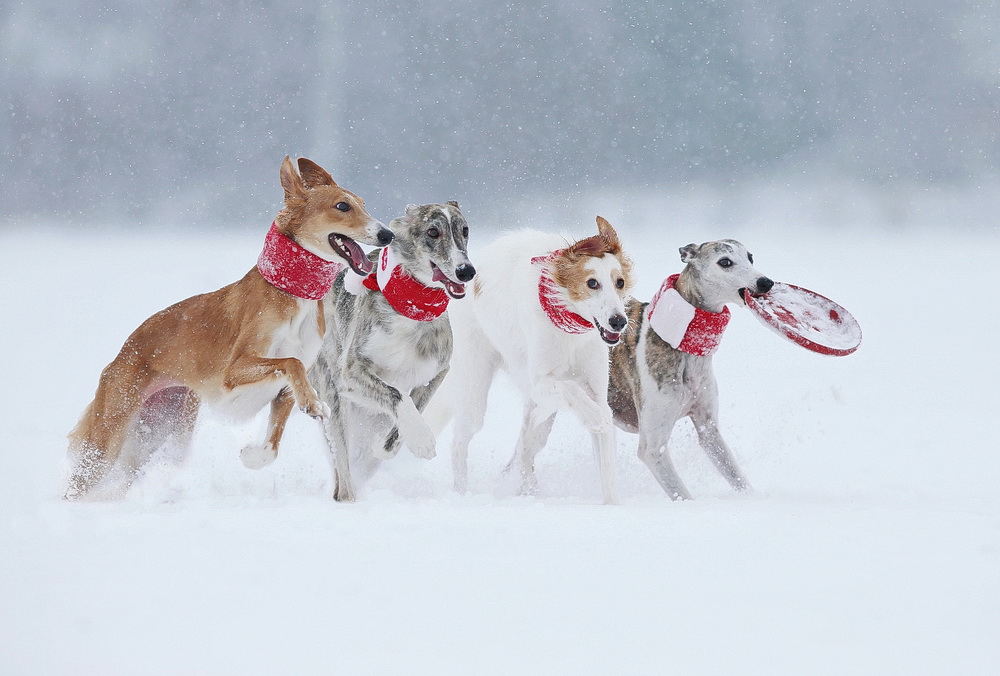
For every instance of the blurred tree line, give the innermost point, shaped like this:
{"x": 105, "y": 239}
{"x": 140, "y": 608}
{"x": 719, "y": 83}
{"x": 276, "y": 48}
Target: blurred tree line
{"x": 153, "y": 112}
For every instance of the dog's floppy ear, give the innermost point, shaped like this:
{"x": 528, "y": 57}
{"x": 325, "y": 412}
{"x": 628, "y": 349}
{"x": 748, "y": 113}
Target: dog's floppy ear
{"x": 411, "y": 209}
{"x": 688, "y": 252}
{"x": 453, "y": 203}
{"x": 291, "y": 181}
{"x": 609, "y": 235}
{"x": 313, "y": 174}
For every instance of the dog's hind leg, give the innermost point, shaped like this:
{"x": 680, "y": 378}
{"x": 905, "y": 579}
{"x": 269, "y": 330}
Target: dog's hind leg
{"x": 470, "y": 413}
{"x": 530, "y": 441}
{"x": 718, "y": 451}
{"x": 97, "y": 440}
{"x": 654, "y": 436}
{"x": 260, "y": 455}
{"x": 166, "y": 419}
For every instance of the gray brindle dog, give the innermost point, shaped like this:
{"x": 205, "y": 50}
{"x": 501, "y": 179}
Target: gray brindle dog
{"x": 654, "y": 384}
{"x": 379, "y": 367}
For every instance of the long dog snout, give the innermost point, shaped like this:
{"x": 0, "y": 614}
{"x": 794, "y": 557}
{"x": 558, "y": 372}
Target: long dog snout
{"x": 384, "y": 236}
{"x": 465, "y": 272}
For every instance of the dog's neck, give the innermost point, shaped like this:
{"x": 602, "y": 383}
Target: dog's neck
{"x": 284, "y": 264}
{"x": 682, "y": 324}
{"x": 552, "y": 303}
{"x": 404, "y": 293}
{"x": 688, "y": 289}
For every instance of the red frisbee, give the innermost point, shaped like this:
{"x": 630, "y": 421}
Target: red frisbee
{"x": 804, "y": 317}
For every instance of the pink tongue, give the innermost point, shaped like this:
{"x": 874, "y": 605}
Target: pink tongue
{"x": 358, "y": 256}
{"x": 455, "y": 288}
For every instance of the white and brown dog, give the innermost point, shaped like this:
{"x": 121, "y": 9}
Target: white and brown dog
{"x": 662, "y": 370}
{"x": 239, "y": 349}
{"x": 545, "y": 311}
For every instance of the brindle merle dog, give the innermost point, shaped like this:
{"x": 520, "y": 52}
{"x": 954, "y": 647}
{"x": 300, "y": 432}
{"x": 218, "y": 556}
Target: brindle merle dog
{"x": 379, "y": 366}
{"x": 653, "y": 384}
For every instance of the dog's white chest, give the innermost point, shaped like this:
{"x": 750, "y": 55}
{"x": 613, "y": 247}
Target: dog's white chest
{"x": 406, "y": 353}
{"x": 300, "y": 337}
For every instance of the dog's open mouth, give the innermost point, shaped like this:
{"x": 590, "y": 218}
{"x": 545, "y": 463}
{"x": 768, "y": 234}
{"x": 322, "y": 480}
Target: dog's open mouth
{"x": 608, "y": 337}
{"x": 349, "y": 250}
{"x": 454, "y": 289}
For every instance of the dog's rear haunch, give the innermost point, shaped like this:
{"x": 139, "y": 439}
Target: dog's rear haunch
{"x": 241, "y": 348}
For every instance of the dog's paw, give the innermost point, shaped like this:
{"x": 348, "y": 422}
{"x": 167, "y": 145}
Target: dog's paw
{"x": 386, "y": 448}
{"x": 343, "y": 490}
{"x": 317, "y": 409}
{"x": 529, "y": 484}
{"x": 257, "y": 457}
{"x": 595, "y": 418}
{"x": 416, "y": 433}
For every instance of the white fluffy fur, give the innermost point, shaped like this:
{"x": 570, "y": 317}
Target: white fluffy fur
{"x": 503, "y": 326}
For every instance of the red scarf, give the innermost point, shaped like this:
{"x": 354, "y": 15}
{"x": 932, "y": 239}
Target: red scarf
{"x": 683, "y": 326}
{"x": 552, "y": 303}
{"x": 405, "y": 294}
{"x": 286, "y": 265}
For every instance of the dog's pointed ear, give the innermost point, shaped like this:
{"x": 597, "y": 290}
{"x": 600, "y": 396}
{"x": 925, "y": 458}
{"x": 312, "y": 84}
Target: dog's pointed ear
{"x": 291, "y": 181}
{"x": 688, "y": 252}
{"x": 608, "y": 234}
{"x": 411, "y": 209}
{"x": 453, "y": 203}
{"x": 313, "y": 174}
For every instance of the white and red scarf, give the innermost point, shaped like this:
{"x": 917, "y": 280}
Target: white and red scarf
{"x": 293, "y": 269}
{"x": 406, "y": 295}
{"x": 683, "y": 326}
{"x": 552, "y": 303}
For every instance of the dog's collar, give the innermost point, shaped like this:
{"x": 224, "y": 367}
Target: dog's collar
{"x": 552, "y": 303}
{"x": 289, "y": 267}
{"x": 406, "y": 295}
{"x": 683, "y": 326}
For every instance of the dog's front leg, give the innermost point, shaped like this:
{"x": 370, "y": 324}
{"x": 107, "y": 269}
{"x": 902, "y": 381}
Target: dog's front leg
{"x": 362, "y": 385}
{"x": 252, "y": 370}
{"x": 714, "y": 445}
{"x": 336, "y": 439}
{"x": 604, "y": 449}
{"x": 551, "y": 394}
{"x": 261, "y": 455}
{"x": 420, "y": 396}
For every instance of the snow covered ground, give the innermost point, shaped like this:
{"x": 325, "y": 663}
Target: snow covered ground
{"x": 871, "y": 544}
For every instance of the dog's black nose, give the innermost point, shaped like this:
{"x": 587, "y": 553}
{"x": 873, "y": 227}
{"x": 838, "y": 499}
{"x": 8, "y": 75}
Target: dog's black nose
{"x": 617, "y": 322}
{"x": 465, "y": 272}
{"x": 384, "y": 236}
{"x": 764, "y": 285}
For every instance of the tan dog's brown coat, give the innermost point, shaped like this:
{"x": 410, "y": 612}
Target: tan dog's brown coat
{"x": 239, "y": 348}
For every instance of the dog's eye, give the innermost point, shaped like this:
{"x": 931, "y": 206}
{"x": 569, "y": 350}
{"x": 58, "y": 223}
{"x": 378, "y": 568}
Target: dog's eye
{"x": 725, "y": 263}
{"x": 433, "y": 232}
{"x": 750, "y": 257}
{"x": 342, "y": 206}
{"x": 620, "y": 283}
{"x": 465, "y": 231}
{"x": 593, "y": 283}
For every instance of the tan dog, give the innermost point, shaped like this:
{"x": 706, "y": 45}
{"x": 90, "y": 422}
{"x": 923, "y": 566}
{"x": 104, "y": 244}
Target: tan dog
{"x": 238, "y": 349}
